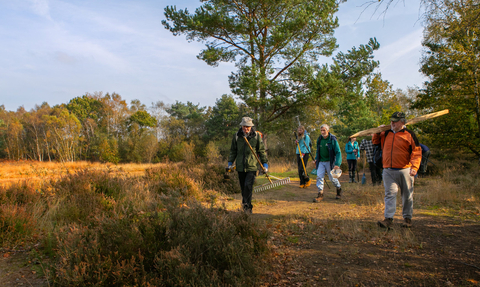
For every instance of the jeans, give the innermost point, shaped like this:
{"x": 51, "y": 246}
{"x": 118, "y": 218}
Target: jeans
{"x": 324, "y": 167}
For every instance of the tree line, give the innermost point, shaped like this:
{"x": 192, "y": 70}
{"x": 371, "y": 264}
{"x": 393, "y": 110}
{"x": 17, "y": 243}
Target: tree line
{"x": 275, "y": 46}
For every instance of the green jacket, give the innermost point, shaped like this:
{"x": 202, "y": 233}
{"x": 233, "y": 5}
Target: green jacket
{"x": 333, "y": 150}
{"x": 239, "y": 151}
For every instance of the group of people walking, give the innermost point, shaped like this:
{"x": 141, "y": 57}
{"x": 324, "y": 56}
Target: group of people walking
{"x": 401, "y": 161}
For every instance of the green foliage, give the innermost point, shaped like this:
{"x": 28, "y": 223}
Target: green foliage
{"x": 85, "y": 107}
{"x": 451, "y": 62}
{"x": 143, "y": 119}
{"x": 225, "y": 118}
{"x": 353, "y": 69}
{"x": 270, "y": 49}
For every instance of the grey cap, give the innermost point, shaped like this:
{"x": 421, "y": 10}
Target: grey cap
{"x": 246, "y": 121}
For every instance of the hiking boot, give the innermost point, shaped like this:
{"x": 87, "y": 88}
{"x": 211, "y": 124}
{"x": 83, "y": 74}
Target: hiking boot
{"x": 407, "y": 223}
{"x": 339, "y": 193}
{"x": 308, "y": 183}
{"x": 386, "y": 223}
{"x": 319, "y": 197}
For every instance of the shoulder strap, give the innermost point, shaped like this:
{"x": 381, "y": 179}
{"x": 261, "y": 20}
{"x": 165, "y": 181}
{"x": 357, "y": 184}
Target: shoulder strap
{"x": 257, "y": 135}
{"x": 386, "y": 133}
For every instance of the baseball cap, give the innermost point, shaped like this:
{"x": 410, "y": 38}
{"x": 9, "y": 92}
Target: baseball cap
{"x": 396, "y": 116}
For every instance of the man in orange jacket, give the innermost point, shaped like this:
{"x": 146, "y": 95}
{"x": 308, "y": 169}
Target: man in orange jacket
{"x": 401, "y": 159}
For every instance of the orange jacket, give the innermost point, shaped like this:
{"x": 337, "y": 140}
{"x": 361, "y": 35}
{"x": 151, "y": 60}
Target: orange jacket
{"x": 400, "y": 149}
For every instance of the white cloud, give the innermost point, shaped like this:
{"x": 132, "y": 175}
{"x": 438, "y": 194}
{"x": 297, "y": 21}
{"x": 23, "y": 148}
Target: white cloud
{"x": 393, "y": 52}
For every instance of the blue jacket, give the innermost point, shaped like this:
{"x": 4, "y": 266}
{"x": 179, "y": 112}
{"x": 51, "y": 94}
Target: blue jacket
{"x": 333, "y": 150}
{"x": 304, "y": 144}
{"x": 349, "y": 147}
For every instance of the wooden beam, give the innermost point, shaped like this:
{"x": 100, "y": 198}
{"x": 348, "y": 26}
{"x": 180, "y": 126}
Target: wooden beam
{"x": 410, "y": 122}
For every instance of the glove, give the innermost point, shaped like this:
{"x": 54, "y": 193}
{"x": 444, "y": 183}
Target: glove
{"x": 229, "y": 167}
{"x": 265, "y": 166}
{"x": 303, "y": 155}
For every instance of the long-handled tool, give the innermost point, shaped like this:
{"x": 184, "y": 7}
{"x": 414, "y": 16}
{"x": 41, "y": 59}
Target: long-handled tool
{"x": 364, "y": 179}
{"x": 305, "y": 174}
{"x": 267, "y": 185}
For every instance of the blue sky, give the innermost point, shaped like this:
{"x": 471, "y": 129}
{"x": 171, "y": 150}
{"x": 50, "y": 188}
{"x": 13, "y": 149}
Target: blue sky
{"x": 53, "y": 50}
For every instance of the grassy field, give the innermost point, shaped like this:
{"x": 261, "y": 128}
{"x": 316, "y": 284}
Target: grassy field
{"x": 181, "y": 225}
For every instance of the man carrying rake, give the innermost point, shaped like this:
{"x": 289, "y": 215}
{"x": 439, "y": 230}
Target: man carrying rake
{"x": 245, "y": 160}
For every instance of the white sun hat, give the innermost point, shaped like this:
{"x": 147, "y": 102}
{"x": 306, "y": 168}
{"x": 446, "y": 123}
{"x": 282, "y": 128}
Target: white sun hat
{"x": 336, "y": 173}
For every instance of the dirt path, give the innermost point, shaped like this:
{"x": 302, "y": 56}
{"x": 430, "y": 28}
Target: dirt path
{"x": 337, "y": 242}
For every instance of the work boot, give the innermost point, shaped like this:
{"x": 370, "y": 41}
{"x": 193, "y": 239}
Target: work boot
{"x": 386, "y": 223}
{"x": 302, "y": 185}
{"x": 339, "y": 193}
{"x": 319, "y": 197}
{"x": 308, "y": 183}
{"x": 407, "y": 223}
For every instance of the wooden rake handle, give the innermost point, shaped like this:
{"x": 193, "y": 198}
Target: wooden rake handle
{"x": 255, "y": 154}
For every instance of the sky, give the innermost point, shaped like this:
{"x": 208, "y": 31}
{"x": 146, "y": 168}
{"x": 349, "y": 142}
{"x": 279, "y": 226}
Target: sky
{"x": 55, "y": 50}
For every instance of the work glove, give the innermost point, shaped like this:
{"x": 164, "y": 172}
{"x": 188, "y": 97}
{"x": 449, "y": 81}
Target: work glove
{"x": 229, "y": 167}
{"x": 265, "y": 166}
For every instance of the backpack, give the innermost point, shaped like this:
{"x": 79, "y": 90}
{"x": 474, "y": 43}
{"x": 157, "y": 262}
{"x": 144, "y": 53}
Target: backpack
{"x": 377, "y": 153}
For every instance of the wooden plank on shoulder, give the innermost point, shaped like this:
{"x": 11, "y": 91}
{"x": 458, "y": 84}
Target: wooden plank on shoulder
{"x": 410, "y": 122}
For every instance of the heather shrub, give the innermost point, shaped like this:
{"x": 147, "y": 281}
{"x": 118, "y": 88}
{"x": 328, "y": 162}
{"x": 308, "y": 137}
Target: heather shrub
{"x": 181, "y": 246}
{"x": 17, "y": 226}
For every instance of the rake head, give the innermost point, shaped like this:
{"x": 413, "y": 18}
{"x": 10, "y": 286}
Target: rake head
{"x": 271, "y": 185}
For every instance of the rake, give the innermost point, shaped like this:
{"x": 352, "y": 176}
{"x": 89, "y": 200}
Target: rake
{"x": 271, "y": 183}
{"x": 268, "y": 185}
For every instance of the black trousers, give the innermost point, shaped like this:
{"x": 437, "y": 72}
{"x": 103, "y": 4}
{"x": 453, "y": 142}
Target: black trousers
{"x": 376, "y": 173}
{"x": 302, "y": 174}
{"x": 246, "y": 185}
{"x": 352, "y": 165}
{"x": 424, "y": 162}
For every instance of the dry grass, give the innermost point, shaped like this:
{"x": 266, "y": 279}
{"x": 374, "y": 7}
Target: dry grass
{"x": 41, "y": 171}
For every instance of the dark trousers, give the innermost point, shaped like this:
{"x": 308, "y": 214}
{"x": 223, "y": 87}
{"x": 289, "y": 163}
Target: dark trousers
{"x": 376, "y": 173}
{"x": 423, "y": 163}
{"x": 302, "y": 174}
{"x": 352, "y": 165}
{"x": 246, "y": 185}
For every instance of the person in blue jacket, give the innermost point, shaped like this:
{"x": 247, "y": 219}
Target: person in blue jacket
{"x": 303, "y": 141}
{"x": 353, "y": 153}
{"x": 329, "y": 156}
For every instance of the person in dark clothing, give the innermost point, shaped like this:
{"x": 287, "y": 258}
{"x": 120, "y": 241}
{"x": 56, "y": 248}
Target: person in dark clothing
{"x": 245, "y": 160}
{"x": 423, "y": 164}
{"x": 375, "y": 171}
